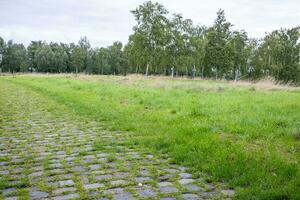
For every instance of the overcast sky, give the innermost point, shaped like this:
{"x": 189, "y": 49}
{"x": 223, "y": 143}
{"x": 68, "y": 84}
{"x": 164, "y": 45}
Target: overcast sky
{"x": 105, "y": 21}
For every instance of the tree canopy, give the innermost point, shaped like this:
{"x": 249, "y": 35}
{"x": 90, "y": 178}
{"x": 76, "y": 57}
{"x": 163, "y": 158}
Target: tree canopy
{"x": 164, "y": 43}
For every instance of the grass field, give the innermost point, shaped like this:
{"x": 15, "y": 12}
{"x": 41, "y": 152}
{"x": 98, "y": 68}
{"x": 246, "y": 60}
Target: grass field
{"x": 245, "y": 135}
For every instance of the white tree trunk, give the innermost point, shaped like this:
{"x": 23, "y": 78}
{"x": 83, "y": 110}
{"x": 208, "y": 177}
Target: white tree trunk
{"x": 147, "y": 69}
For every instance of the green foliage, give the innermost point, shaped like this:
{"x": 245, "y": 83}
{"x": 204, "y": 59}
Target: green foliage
{"x": 168, "y": 44}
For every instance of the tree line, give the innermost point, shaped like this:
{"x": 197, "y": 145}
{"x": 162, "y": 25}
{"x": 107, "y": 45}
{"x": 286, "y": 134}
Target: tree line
{"x": 167, "y": 44}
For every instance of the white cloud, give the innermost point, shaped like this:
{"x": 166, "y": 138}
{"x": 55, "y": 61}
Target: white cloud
{"x": 105, "y": 21}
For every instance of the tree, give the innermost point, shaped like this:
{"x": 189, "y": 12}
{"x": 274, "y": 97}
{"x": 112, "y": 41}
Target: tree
{"x": 78, "y": 58}
{"x": 217, "y": 54}
{"x": 150, "y": 32}
{"x": 284, "y": 54}
{"x": 15, "y": 57}
{"x": 45, "y": 59}
{"x": 2, "y": 51}
{"x": 32, "y": 51}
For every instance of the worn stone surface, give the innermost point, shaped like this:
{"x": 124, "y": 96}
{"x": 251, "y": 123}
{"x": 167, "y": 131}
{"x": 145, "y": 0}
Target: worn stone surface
{"x": 147, "y": 193}
{"x": 192, "y": 187}
{"x": 123, "y": 196}
{"x": 63, "y": 163}
{"x": 63, "y": 190}
{"x": 168, "y": 189}
{"x": 186, "y": 181}
{"x": 190, "y": 197}
{"x": 38, "y": 194}
{"x": 93, "y": 186}
{"x": 66, "y": 197}
{"x": 164, "y": 184}
{"x": 66, "y": 183}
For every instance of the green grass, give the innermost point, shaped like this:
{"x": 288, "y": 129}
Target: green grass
{"x": 244, "y": 136}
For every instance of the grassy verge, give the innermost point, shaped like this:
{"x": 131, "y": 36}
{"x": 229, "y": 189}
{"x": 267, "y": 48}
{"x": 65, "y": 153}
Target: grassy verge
{"x": 246, "y": 137}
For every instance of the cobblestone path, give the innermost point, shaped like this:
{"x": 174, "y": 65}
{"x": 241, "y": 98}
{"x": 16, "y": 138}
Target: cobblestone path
{"x": 46, "y": 153}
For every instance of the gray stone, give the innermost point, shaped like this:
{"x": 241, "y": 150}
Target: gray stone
{"x": 84, "y": 180}
{"x": 11, "y": 198}
{"x": 69, "y": 158}
{"x": 164, "y": 184}
{"x": 66, "y": 197}
{"x": 190, "y": 196}
{"x": 193, "y": 188}
{"x": 168, "y": 189}
{"x": 89, "y": 157}
{"x": 4, "y": 172}
{"x": 113, "y": 191}
{"x": 185, "y": 175}
{"x": 66, "y": 183}
{"x": 3, "y": 163}
{"x": 94, "y": 167}
{"x": 183, "y": 169}
{"x": 186, "y": 181}
{"x": 102, "y": 155}
{"x": 103, "y": 177}
{"x": 56, "y": 171}
{"x": 172, "y": 171}
{"x": 8, "y": 191}
{"x": 147, "y": 193}
{"x": 65, "y": 176}
{"x": 142, "y": 179}
{"x": 38, "y": 194}
{"x": 36, "y": 174}
{"x": 165, "y": 177}
{"x": 93, "y": 186}
{"x": 63, "y": 190}
{"x": 78, "y": 168}
{"x": 208, "y": 195}
{"x": 144, "y": 172}
{"x": 55, "y": 165}
{"x": 38, "y": 168}
{"x": 149, "y": 156}
{"x": 119, "y": 182}
{"x": 123, "y": 196}
{"x": 121, "y": 174}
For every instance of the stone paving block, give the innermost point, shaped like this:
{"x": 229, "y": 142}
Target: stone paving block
{"x": 193, "y": 188}
{"x": 94, "y": 167}
{"x": 164, "y": 184}
{"x": 123, "y": 196}
{"x": 36, "y": 174}
{"x": 168, "y": 189}
{"x": 66, "y": 183}
{"x": 63, "y": 190}
{"x": 165, "y": 177}
{"x": 35, "y": 194}
{"x": 66, "y": 197}
{"x": 186, "y": 181}
{"x": 118, "y": 182}
{"x": 11, "y": 198}
{"x": 93, "y": 186}
{"x": 190, "y": 197}
{"x": 142, "y": 179}
{"x": 8, "y": 191}
{"x": 147, "y": 193}
{"x": 103, "y": 177}
{"x": 185, "y": 175}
